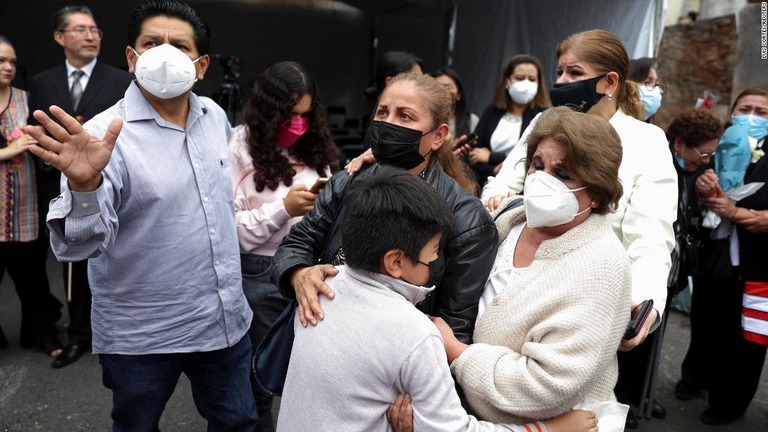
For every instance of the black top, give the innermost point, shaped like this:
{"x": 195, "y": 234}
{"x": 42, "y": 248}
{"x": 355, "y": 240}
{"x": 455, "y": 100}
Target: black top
{"x": 753, "y": 252}
{"x": 485, "y": 127}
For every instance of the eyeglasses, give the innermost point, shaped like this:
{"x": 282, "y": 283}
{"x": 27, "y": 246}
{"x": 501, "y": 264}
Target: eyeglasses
{"x": 651, "y": 84}
{"x": 704, "y": 155}
{"x": 82, "y": 31}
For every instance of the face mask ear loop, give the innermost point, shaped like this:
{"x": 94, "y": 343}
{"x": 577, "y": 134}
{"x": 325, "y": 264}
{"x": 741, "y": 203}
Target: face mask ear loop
{"x": 589, "y": 207}
{"x": 195, "y": 61}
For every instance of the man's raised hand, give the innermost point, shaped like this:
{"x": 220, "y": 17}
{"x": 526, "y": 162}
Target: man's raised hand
{"x": 77, "y": 154}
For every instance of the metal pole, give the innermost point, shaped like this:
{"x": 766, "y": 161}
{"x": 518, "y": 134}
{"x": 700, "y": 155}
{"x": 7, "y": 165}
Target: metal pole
{"x": 69, "y": 282}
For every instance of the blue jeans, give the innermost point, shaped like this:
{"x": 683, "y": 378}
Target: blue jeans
{"x": 142, "y": 384}
{"x": 266, "y": 302}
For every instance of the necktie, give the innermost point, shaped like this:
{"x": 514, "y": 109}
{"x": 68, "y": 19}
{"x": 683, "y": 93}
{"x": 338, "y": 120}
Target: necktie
{"x": 77, "y": 89}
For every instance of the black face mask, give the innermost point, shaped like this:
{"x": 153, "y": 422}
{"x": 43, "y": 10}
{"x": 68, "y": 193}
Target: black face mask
{"x": 581, "y": 95}
{"x": 395, "y": 145}
{"x": 436, "y": 270}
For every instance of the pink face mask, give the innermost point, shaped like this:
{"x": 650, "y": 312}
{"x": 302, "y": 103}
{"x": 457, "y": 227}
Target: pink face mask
{"x": 287, "y": 135}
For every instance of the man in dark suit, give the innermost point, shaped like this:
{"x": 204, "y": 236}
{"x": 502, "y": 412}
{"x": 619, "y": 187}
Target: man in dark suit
{"x": 82, "y": 86}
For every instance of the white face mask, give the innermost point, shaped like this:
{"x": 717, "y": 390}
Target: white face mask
{"x": 165, "y": 71}
{"x": 548, "y": 201}
{"x": 523, "y": 91}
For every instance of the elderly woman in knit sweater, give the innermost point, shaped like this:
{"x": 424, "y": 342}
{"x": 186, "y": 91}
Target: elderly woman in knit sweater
{"x": 557, "y": 302}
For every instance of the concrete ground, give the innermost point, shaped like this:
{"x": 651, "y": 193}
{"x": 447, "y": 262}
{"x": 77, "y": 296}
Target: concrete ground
{"x": 36, "y": 397}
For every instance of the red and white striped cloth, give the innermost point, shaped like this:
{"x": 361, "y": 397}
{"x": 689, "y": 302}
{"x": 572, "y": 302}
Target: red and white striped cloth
{"x": 754, "y": 314}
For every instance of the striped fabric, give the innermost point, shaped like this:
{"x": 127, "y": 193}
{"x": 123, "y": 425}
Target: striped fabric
{"x": 754, "y": 315}
{"x": 18, "y": 190}
{"x": 535, "y": 427}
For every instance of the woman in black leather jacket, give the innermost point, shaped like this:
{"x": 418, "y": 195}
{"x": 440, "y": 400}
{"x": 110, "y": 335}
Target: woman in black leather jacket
{"x": 409, "y": 128}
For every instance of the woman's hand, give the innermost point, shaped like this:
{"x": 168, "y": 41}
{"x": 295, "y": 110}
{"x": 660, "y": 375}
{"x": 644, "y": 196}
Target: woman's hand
{"x": 721, "y": 204}
{"x": 707, "y": 183}
{"x": 479, "y": 155}
{"x": 462, "y": 151}
{"x": 78, "y": 155}
{"x": 308, "y": 284}
{"x": 629, "y": 344}
{"x": 495, "y": 201}
{"x": 299, "y": 200}
{"x": 400, "y": 413}
{"x": 757, "y": 223}
{"x": 453, "y": 347}
{"x": 17, "y": 146}
{"x": 460, "y": 147}
{"x": 357, "y": 163}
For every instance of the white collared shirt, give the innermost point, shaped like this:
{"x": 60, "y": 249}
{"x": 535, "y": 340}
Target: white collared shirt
{"x": 87, "y": 69}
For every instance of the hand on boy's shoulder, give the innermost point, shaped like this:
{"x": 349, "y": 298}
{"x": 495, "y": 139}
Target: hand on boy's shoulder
{"x": 309, "y": 283}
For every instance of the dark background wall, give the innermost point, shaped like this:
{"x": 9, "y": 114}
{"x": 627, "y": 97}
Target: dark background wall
{"x": 339, "y": 41}
{"x": 490, "y": 31}
{"x": 335, "y": 43}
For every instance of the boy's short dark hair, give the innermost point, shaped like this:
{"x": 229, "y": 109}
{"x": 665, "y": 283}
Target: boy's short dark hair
{"x": 391, "y": 209}
{"x": 174, "y": 9}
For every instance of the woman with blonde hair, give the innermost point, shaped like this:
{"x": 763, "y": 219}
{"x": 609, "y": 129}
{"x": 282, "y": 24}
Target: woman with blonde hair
{"x": 592, "y": 70}
{"x": 408, "y": 132}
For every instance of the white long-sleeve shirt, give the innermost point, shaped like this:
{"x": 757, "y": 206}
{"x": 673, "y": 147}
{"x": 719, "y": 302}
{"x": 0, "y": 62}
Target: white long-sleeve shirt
{"x": 646, "y": 210}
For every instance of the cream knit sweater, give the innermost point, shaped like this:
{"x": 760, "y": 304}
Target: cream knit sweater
{"x": 549, "y": 340}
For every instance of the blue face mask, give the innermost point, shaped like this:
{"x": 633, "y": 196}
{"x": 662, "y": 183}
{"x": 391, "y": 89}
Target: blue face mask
{"x": 651, "y": 100}
{"x": 681, "y": 162}
{"x": 757, "y": 127}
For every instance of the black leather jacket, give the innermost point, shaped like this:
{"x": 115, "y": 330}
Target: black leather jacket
{"x": 467, "y": 252}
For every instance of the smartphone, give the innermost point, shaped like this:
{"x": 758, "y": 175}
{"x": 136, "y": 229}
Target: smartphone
{"x": 318, "y": 185}
{"x": 639, "y": 315}
{"x": 471, "y": 141}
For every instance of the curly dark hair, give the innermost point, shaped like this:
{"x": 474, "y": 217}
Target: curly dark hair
{"x": 275, "y": 93}
{"x": 693, "y": 127}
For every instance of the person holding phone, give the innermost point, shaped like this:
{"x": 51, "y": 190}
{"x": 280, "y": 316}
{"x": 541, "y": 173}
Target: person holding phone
{"x": 278, "y": 158}
{"x": 462, "y": 122}
{"x": 519, "y": 95}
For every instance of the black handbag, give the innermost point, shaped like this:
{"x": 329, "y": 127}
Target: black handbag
{"x": 270, "y": 362}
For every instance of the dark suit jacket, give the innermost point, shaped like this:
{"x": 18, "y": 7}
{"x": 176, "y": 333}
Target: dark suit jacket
{"x": 485, "y": 127}
{"x": 106, "y": 86}
{"x": 754, "y": 247}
